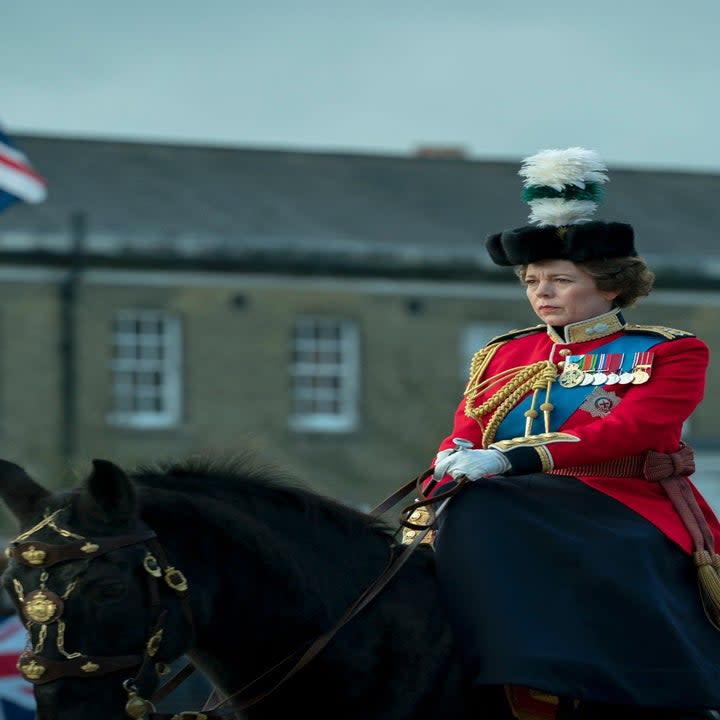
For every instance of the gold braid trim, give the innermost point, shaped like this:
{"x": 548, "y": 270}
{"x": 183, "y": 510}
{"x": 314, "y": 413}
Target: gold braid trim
{"x": 545, "y": 458}
{"x": 522, "y": 380}
{"x": 481, "y": 359}
{"x": 666, "y": 332}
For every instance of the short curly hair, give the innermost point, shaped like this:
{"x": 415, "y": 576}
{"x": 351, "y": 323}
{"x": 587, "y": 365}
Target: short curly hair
{"x": 630, "y": 277}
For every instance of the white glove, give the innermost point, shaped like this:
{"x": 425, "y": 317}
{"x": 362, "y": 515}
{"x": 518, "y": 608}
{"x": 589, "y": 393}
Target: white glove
{"x": 474, "y": 464}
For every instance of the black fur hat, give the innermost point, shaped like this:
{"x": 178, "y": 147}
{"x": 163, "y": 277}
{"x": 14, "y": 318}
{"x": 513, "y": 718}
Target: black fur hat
{"x": 563, "y": 188}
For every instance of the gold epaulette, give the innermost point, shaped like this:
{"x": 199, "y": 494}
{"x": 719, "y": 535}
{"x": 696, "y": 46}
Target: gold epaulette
{"x": 517, "y": 333}
{"x": 482, "y": 357}
{"x": 666, "y": 332}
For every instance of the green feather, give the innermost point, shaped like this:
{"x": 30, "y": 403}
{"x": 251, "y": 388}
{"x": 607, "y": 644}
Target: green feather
{"x": 592, "y": 191}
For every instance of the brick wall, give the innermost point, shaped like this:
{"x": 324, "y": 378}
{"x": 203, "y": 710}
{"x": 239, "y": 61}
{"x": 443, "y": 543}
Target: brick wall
{"x": 236, "y": 352}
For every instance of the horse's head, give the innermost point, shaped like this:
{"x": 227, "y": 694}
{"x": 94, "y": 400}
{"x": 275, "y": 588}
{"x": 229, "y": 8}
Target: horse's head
{"x": 103, "y": 610}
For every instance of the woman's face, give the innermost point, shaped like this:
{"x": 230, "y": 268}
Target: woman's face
{"x": 561, "y": 293}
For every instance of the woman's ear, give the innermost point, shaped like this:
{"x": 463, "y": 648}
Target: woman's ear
{"x": 610, "y": 295}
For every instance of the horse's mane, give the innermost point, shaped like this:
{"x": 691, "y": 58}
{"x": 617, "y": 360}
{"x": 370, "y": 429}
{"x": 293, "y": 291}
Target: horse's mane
{"x": 242, "y": 480}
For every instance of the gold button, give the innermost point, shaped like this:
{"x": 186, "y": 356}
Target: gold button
{"x": 565, "y": 351}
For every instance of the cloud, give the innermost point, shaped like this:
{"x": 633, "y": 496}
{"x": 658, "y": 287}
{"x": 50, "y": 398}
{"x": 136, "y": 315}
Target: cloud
{"x": 634, "y": 80}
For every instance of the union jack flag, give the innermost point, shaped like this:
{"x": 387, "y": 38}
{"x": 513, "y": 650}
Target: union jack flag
{"x": 16, "y": 693}
{"x": 18, "y": 181}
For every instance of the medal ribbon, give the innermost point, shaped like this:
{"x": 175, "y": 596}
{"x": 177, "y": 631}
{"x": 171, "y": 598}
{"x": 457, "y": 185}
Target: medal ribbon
{"x": 589, "y": 363}
{"x": 567, "y": 400}
{"x": 643, "y": 360}
{"x": 614, "y": 362}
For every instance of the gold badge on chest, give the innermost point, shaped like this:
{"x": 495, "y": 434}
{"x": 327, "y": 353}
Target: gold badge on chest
{"x": 571, "y": 376}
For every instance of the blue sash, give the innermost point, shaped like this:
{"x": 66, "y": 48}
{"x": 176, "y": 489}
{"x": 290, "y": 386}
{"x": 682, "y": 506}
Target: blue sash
{"x": 567, "y": 400}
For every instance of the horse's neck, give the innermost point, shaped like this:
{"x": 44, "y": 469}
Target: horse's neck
{"x": 267, "y": 587}
{"x": 257, "y": 594}
{"x": 272, "y": 584}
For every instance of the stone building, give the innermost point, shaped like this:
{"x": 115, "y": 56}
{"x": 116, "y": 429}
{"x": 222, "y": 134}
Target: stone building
{"x": 318, "y": 310}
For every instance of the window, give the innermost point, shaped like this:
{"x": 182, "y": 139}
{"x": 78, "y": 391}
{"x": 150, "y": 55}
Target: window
{"x": 474, "y": 337}
{"x": 324, "y": 374}
{"x": 146, "y": 354}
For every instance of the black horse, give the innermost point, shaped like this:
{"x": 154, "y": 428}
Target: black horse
{"x": 235, "y": 568}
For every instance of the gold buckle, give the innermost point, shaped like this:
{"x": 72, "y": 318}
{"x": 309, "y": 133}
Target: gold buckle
{"x": 176, "y": 580}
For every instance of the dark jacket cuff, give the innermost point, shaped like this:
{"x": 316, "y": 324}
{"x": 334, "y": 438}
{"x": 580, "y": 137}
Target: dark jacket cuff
{"x": 524, "y": 460}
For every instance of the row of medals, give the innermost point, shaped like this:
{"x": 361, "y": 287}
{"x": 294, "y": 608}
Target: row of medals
{"x": 572, "y": 376}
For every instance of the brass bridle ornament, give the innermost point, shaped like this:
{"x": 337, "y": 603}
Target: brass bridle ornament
{"x": 43, "y": 608}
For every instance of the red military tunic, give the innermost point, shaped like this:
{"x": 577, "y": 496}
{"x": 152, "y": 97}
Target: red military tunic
{"x": 603, "y": 422}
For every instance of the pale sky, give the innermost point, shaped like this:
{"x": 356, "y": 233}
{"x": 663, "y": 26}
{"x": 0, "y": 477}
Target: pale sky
{"x": 636, "y": 80}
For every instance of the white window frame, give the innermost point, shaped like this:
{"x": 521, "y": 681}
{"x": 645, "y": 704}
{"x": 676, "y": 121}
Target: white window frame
{"x": 146, "y": 361}
{"x": 324, "y": 374}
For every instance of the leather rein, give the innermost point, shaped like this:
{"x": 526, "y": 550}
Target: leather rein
{"x": 43, "y": 607}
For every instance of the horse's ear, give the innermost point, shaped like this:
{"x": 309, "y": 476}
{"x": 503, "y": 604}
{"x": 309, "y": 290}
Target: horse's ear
{"x": 20, "y": 493}
{"x": 108, "y": 494}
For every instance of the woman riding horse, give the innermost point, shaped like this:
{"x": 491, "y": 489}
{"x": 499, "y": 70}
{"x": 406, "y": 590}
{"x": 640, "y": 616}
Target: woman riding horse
{"x": 567, "y": 565}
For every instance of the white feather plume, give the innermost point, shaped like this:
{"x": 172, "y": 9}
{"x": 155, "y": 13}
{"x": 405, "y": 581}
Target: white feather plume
{"x": 558, "y": 169}
{"x": 556, "y": 211}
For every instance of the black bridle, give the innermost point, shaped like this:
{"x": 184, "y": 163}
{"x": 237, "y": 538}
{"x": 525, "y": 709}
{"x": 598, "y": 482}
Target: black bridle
{"x": 43, "y": 607}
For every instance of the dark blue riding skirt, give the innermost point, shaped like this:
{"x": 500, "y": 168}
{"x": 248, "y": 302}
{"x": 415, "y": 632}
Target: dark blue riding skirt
{"x": 553, "y": 585}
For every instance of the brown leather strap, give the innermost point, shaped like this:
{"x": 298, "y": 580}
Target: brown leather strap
{"x": 172, "y": 578}
{"x": 40, "y": 554}
{"x": 40, "y": 670}
{"x": 166, "y": 688}
{"x": 395, "y": 497}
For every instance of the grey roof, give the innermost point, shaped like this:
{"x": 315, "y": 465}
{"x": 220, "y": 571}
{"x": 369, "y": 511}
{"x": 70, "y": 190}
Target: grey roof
{"x": 262, "y": 208}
